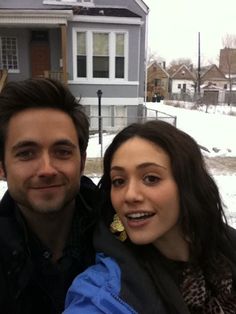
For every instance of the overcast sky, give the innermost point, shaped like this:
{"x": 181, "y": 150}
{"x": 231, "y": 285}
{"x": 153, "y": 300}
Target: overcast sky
{"x": 174, "y": 25}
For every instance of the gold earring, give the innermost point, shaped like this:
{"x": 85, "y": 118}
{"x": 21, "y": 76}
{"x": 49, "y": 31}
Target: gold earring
{"x": 117, "y": 227}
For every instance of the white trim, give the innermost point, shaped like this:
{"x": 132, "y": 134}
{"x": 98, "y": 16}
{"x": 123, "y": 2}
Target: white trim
{"x": 143, "y": 6}
{"x": 70, "y": 2}
{"x": 103, "y": 81}
{"x": 15, "y": 71}
{"x": 51, "y": 17}
{"x": 108, "y": 19}
{"x": 111, "y": 101}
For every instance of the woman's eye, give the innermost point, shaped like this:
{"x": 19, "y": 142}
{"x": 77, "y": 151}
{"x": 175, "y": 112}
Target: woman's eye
{"x": 117, "y": 182}
{"x": 151, "y": 179}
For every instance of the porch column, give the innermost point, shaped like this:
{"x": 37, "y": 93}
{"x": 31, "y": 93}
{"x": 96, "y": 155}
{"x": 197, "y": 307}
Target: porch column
{"x": 64, "y": 52}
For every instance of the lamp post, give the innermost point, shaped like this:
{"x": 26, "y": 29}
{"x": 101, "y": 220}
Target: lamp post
{"x": 99, "y": 94}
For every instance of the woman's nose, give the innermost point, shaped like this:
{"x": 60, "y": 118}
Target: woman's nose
{"x": 133, "y": 192}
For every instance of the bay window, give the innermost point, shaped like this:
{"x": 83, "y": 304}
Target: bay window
{"x": 100, "y": 54}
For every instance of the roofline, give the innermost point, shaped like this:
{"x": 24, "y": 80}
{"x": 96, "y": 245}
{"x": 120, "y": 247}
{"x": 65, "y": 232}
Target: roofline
{"x": 183, "y": 65}
{"x": 143, "y": 6}
{"x": 35, "y": 17}
{"x": 212, "y": 65}
{"x": 107, "y": 19}
{"x": 154, "y": 62}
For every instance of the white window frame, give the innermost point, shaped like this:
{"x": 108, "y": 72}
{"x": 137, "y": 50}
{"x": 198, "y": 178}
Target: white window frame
{"x": 89, "y": 53}
{"x": 16, "y": 52}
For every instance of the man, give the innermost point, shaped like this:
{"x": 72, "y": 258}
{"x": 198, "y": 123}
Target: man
{"x": 46, "y": 224}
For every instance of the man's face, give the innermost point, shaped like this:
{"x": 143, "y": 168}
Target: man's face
{"x": 42, "y": 160}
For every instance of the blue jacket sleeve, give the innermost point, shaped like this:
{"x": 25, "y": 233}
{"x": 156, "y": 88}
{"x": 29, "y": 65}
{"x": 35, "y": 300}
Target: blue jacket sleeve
{"x": 97, "y": 290}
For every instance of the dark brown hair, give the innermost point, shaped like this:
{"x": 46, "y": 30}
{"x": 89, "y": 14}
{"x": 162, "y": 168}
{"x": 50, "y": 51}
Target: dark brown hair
{"x": 202, "y": 216}
{"x": 41, "y": 93}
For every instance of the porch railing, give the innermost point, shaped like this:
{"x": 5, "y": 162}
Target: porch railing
{"x": 56, "y": 75}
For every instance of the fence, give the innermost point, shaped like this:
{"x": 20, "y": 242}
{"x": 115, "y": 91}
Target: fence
{"x": 103, "y": 129}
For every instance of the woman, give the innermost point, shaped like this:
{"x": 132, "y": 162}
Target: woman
{"x": 163, "y": 245}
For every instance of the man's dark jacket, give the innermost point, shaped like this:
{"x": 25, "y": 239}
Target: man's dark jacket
{"x": 17, "y": 293}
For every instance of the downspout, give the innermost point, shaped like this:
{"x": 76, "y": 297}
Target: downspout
{"x": 146, "y": 58}
{"x": 64, "y": 52}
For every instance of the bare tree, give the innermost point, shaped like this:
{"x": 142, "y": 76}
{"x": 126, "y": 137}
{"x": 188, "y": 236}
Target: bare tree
{"x": 186, "y": 61}
{"x": 227, "y": 59}
{"x": 153, "y": 56}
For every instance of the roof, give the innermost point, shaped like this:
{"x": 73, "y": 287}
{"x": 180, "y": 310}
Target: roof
{"x": 181, "y": 72}
{"x": 105, "y": 11}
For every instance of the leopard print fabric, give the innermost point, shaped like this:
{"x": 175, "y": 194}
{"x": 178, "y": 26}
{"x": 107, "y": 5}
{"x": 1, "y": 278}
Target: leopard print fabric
{"x": 207, "y": 292}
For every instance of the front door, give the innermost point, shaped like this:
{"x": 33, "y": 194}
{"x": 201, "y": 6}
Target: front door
{"x": 40, "y": 53}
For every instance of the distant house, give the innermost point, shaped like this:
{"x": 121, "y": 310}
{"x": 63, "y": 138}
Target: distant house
{"x": 90, "y": 45}
{"x": 214, "y": 76}
{"x": 213, "y": 85}
{"x": 182, "y": 80}
{"x": 157, "y": 81}
{"x": 227, "y": 62}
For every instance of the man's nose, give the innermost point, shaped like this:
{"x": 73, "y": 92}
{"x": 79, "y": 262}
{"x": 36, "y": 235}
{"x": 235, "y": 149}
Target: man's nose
{"x": 46, "y": 166}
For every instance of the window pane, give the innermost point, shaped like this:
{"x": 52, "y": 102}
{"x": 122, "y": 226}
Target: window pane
{"x": 120, "y": 45}
{"x": 120, "y": 60}
{"x": 81, "y": 66}
{"x": 81, "y": 55}
{"x": 100, "y": 55}
{"x": 8, "y": 53}
{"x": 81, "y": 44}
{"x": 100, "y": 66}
{"x": 100, "y": 44}
{"x": 120, "y": 67}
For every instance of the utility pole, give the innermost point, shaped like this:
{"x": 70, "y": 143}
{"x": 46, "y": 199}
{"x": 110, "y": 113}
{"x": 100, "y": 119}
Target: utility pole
{"x": 199, "y": 66}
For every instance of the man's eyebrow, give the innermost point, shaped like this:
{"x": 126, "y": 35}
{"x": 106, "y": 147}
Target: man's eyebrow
{"x": 22, "y": 144}
{"x": 31, "y": 143}
{"x": 65, "y": 142}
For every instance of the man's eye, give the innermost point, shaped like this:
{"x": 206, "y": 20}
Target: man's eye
{"x": 151, "y": 179}
{"x": 25, "y": 155}
{"x": 117, "y": 182}
{"x": 63, "y": 153}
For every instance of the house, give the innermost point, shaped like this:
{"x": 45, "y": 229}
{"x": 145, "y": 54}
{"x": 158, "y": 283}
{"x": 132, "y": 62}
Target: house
{"x": 157, "y": 81}
{"x": 91, "y": 45}
{"x": 227, "y": 62}
{"x": 182, "y": 80}
{"x": 214, "y": 76}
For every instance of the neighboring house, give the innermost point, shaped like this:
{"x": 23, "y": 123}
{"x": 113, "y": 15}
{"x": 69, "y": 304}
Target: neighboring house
{"x": 89, "y": 44}
{"x": 214, "y": 76}
{"x": 227, "y": 62}
{"x": 182, "y": 80}
{"x": 157, "y": 81}
{"x": 211, "y": 94}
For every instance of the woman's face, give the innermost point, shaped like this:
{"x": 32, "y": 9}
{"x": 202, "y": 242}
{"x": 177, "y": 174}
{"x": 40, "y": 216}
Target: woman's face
{"x": 144, "y": 193}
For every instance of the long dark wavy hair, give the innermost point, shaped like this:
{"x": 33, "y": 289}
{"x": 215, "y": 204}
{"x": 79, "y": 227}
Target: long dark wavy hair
{"x": 201, "y": 210}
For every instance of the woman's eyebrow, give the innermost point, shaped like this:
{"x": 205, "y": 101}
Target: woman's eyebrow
{"x": 141, "y": 166}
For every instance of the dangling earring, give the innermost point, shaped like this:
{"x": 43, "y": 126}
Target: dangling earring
{"x": 117, "y": 227}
